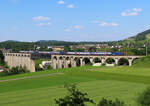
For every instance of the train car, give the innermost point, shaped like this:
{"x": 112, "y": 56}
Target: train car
{"x": 81, "y": 53}
{"x": 70, "y": 53}
{"x": 117, "y": 53}
{"x": 101, "y": 53}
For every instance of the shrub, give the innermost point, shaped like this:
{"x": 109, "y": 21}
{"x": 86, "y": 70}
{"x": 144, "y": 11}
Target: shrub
{"x": 105, "y": 102}
{"x": 38, "y": 68}
{"x": 103, "y": 64}
{"x": 14, "y": 71}
{"x": 48, "y": 67}
{"x": 144, "y": 98}
{"x": 2, "y": 62}
{"x": 75, "y": 97}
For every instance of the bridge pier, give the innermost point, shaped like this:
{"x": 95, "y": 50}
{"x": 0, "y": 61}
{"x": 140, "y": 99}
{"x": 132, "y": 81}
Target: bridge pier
{"x": 54, "y": 64}
{"x": 92, "y": 60}
{"x": 116, "y": 61}
{"x": 58, "y": 64}
{"x": 103, "y": 60}
{"x": 130, "y": 62}
{"x": 81, "y": 61}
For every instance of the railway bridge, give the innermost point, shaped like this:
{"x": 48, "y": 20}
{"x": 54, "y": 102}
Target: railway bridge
{"x": 65, "y": 61}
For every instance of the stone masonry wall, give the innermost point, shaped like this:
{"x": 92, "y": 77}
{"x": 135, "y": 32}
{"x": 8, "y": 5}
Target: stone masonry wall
{"x": 20, "y": 59}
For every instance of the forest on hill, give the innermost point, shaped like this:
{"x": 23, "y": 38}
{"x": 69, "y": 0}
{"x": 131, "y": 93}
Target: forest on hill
{"x": 139, "y": 41}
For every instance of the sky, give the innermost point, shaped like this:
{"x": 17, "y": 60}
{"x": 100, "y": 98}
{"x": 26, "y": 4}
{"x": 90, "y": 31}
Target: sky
{"x": 72, "y": 20}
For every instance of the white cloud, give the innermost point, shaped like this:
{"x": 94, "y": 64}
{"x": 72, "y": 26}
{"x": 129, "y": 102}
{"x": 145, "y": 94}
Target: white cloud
{"x": 43, "y": 24}
{"x": 105, "y": 24}
{"x": 70, "y": 6}
{"x": 137, "y": 9}
{"x": 147, "y": 27}
{"x": 40, "y": 18}
{"x": 75, "y": 27}
{"x": 78, "y": 27}
{"x": 61, "y": 2}
{"x": 114, "y": 24}
{"x": 132, "y": 12}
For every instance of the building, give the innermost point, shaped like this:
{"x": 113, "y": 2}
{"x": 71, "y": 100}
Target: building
{"x": 58, "y": 48}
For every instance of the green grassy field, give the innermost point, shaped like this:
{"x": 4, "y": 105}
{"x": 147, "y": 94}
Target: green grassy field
{"x": 41, "y": 88}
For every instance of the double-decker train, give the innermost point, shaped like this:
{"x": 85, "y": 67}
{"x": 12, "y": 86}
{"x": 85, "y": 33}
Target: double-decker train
{"x": 91, "y": 53}
{"x": 75, "y": 53}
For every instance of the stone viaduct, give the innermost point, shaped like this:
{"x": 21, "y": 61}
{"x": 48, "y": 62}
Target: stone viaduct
{"x": 62, "y": 61}
{"x": 20, "y": 59}
{"x": 65, "y": 61}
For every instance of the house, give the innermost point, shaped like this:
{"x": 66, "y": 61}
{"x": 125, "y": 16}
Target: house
{"x": 58, "y": 48}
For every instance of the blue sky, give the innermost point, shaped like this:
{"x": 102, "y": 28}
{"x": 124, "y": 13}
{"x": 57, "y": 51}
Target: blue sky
{"x": 72, "y": 20}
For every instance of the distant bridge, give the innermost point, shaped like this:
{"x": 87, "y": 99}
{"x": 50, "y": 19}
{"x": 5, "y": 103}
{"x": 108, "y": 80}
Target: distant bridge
{"x": 65, "y": 61}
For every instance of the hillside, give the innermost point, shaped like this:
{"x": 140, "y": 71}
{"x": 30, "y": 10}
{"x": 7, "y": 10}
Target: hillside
{"x": 143, "y": 36}
{"x": 142, "y": 62}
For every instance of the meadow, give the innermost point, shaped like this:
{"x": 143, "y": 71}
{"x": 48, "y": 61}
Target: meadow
{"x": 41, "y": 88}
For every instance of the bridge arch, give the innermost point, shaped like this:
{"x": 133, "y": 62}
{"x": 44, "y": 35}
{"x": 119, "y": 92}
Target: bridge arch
{"x": 67, "y": 58}
{"x": 86, "y": 61}
{"x": 123, "y": 62}
{"x": 61, "y": 58}
{"x": 134, "y": 60}
{"x": 110, "y": 60}
{"x": 54, "y": 58}
{"x": 97, "y": 60}
{"x": 77, "y": 61}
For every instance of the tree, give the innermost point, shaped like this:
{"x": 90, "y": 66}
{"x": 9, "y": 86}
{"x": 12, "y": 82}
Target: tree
{"x": 105, "y": 102}
{"x": 67, "y": 49}
{"x": 75, "y": 97}
{"x": 79, "y": 50}
{"x": 144, "y": 98}
{"x": 2, "y": 58}
{"x": 92, "y": 49}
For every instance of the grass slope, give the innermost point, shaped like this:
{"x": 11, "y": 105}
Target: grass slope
{"x": 143, "y": 62}
{"x": 111, "y": 82}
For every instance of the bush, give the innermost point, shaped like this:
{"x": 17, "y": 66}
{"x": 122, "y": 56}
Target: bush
{"x": 14, "y": 71}
{"x": 144, "y": 98}
{"x": 48, "y": 67}
{"x": 38, "y": 68}
{"x": 2, "y": 62}
{"x": 105, "y": 102}
{"x": 75, "y": 97}
{"x": 103, "y": 64}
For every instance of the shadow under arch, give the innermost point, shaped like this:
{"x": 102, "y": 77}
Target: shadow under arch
{"x": 110, "y": 61}
{"x": 134, "y": 60}
{"x": 77, "y": 60}
{"x": 61, "y": 58}
{"x": 55, "y": 58}
{"x": 68, "y": 62}
{"x": 87, "y": 61}
{"x": 123, "y": 62}
{"x": 97, "y": 60}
